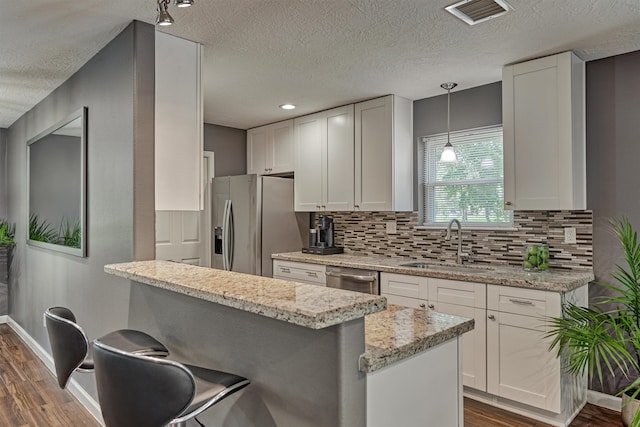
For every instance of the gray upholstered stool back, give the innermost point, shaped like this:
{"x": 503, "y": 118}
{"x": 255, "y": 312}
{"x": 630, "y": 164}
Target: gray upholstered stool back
{"x": 139, "y": 391}
{"x": 69, "y": 344}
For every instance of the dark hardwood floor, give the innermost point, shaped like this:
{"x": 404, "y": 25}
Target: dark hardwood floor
{"x": 30, "y": 397}
{"x": 29, "y": 393}
{"x": 478, "y": 414}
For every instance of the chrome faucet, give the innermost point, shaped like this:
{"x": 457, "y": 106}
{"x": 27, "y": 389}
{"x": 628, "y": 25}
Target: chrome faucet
{"x": 448, "y": 237}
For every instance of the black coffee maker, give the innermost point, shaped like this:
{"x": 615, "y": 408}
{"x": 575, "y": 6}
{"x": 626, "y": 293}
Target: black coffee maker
{"x": 321, "y": 237}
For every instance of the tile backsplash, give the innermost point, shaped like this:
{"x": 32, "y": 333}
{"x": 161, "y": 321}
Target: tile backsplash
{"x": 365, "y": 233}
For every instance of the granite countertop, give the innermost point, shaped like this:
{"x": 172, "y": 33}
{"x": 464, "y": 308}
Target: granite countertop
{"x": 400, "y": 332}
{"x": 311, "y": 306}
{"x": 551, "y": 280}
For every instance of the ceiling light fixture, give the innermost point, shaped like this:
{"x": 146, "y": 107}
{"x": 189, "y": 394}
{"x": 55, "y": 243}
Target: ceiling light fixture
{"x": 288, "y": 107}
{"x": 184, "y": 3}
{"x": 448, "y": 154}
{"x": 163, "y": 19}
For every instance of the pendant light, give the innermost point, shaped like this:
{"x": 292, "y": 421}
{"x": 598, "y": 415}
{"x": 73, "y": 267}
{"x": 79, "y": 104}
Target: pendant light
{"x": 183, "y": 3}
{"x": 448, "y": 154}
{"x": 163, "y": 19}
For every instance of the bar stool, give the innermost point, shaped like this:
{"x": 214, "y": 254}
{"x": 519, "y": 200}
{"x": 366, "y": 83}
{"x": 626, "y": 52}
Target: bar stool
{"x": 72, "y": 351}
{"x": 141, "y": 391}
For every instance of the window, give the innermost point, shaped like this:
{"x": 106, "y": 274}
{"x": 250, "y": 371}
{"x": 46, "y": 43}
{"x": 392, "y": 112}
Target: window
{"x": 470, "y": 190}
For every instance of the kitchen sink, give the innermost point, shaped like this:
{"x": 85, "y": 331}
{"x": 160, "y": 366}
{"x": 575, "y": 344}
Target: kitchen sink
{"x": 445, "y": 267}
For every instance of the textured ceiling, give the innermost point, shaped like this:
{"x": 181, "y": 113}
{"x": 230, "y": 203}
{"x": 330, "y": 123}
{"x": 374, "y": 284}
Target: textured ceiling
{"x": 259, "y": 54}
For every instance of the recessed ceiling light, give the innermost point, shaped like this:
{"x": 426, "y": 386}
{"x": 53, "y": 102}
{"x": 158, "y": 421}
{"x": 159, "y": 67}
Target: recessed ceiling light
{"x": 288, "y": 106}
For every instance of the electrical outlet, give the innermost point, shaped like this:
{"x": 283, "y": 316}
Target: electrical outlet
{"x": 570, "y": 235}
{"x": 391, "y": 227}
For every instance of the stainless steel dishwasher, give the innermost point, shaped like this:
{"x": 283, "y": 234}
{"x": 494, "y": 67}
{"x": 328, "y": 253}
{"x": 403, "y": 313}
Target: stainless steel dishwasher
{"x": 353, "y": 279}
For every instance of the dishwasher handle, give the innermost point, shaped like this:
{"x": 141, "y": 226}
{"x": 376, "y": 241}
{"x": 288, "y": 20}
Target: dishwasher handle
{"x": 354, "y": 277}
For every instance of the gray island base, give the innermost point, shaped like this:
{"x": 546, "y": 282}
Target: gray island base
{"x": 315, "y": 356}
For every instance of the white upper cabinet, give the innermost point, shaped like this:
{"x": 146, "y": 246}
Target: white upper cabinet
{"x": 384, "y": 154}
{"x": 324, "y": 156}
{"x": 178, "y": 124}
{"x": 544, "y": 134}
{"x": 270, "y": 149}
{"x": 256, "y": 150}
{"x": 308, "y": 183}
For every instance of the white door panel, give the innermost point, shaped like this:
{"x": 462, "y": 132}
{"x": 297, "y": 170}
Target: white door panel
{"x": 183, "y": 236}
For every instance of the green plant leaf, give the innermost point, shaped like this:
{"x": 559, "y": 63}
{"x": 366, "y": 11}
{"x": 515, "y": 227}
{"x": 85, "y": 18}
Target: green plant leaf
{"x": 7, "y": 232}
{"x": 594, "y": 340}
{"x": 41, "y": 231}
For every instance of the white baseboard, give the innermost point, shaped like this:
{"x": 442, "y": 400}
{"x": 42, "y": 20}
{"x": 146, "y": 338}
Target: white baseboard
{"x": 605, "y": 400}
{"x": 556, "y": 420}
{"x": 74, "y": 387}
{"x": 3, "y": 319}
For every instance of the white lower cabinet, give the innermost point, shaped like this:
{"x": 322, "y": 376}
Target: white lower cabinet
{"x": 312, "y": 274}
{"x": 401, "y": 289}
{"x": 464, "y": 299}
{"x": 474, "y": 354}
{"x": 520, "y": 366}
{"x": 506, "y": 357}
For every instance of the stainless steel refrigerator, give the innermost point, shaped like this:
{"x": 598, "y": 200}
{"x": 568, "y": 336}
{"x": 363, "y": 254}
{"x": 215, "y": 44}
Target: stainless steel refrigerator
{"x": 253, "y": 218}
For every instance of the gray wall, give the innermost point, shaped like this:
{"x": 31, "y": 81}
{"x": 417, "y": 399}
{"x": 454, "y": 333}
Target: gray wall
{"x": 470, "y": 108}
{"x": 3, "y": 174}
{"x": 40, "y": 278}
{"x": 613, "y": 152}
{"x": 230, "y": 148}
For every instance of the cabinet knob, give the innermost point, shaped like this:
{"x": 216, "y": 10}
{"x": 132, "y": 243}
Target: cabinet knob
{"x": 324, "y": 206}
{"x": 356, "y": 206}
{"x": 432, "y": 306}
{"x": 491, "y": 317}
{"x": 508, "y": 203}
{"x": 318, "y": 206}
{"x": 423, "y": 305}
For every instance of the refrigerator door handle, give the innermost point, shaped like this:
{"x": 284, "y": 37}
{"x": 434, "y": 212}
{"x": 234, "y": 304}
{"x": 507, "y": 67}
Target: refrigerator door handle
{"x": 225, "y": 235}
{"x": 231, "y": 237}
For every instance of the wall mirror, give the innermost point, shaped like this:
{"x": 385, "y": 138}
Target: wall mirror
{"x": 57, "y": 184}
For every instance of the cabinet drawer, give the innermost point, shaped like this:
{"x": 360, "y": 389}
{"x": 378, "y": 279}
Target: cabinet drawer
{"x": 406, "y": 286}
{"x": 406, "y": 301}
{"x": 527, "y": 302}
{"x": 467, "y": 294}
{"x": 299, "y": 271}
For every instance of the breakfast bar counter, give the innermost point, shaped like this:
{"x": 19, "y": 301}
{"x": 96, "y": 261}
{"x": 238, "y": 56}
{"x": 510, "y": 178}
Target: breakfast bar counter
{"x": 315, "y": 356}
{"x": 304, "y": 305}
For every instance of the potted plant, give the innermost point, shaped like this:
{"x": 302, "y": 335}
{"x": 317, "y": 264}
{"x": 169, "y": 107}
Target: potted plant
{"x": 7, "y": 233}
{"x": 607, "y": 337}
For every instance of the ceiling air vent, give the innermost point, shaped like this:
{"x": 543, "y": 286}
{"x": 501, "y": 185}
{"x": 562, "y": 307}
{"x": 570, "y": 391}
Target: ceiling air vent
{"x": 475, "y": 11}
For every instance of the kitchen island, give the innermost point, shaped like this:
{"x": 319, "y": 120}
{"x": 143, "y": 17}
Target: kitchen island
{"x": 315, "y": 356}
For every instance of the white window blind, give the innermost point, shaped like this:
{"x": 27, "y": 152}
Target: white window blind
{"x": 470, "y": 190}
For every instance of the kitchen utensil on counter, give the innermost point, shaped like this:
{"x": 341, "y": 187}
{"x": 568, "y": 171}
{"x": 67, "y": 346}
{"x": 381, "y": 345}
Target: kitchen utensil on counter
{"x": 324, "y": 238}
